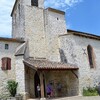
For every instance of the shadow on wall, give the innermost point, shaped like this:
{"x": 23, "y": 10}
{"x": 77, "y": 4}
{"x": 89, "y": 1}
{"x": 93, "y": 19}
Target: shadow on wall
{"x": 62, "y": 56}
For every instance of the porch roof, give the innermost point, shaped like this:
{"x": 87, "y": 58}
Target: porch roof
{"x": 43, "y": 64}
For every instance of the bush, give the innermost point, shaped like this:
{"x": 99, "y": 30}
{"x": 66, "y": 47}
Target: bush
{"x": 90, "y": 91}
{"x": 12, "y": 87}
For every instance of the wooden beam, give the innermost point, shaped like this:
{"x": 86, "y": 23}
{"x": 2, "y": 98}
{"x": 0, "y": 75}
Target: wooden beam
{"x": 74, "y": 74}
{"x": 41, "y": 85}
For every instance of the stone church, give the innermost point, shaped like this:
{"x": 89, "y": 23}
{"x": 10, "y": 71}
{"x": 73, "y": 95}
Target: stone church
{"x": 43, "y": 51}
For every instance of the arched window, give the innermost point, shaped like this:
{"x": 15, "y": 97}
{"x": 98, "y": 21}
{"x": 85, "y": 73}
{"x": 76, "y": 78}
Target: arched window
{"x": 34, "y": 3}
{"x": 91, "y": 56}
{"x": 6, "y": 63}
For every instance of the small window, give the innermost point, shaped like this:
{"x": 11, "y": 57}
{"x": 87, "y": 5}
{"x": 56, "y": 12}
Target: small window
{"x": 6, "y": 63}
{"x": 91, "y": 56}
{"x": 34, "y": 3}
{"x": 6, "y": 46}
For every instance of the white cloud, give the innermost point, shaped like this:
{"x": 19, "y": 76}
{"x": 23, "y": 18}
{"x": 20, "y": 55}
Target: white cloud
{"x": 72, "y": 2}
{"x": 61, "y": 4}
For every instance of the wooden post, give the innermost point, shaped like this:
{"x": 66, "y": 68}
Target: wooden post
{"x": 42, "y": 85}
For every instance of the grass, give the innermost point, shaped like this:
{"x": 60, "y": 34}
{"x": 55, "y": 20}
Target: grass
{"x": 89, "y": 91}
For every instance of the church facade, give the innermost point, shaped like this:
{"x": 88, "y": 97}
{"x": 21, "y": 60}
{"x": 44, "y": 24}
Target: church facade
{"x": 43, "y": 51}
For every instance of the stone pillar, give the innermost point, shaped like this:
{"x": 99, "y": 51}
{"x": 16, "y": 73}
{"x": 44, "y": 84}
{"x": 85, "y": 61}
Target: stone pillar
{"x": 20, "y": 76}
{"x": 42, "y": 86}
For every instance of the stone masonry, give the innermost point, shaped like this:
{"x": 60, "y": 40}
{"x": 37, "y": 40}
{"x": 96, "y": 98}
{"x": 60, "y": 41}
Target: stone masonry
{"x": 75, "y": 49}
{"x": 8, "y": 74}
{"x": 45, "y": 37}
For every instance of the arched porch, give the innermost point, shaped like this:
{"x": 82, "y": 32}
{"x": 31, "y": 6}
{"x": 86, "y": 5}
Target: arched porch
{"x": 44, "y": 72}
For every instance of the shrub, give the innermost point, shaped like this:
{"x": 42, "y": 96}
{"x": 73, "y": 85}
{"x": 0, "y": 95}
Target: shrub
{"x": 90, "y": 91}
{"x": 12, "y": 87}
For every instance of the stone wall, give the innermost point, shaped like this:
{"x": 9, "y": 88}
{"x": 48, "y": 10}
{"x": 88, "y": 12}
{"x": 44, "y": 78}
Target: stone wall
{"x": 54, "y": 26}
{"x": 18, "y": 23}
{"x": 42, "y": 32}
{"x": 7, "y": 74}
{"x": 20, "y": 74}
{"x": 18, "y": 17}
{"x": 88, "y": 76}
{"x": 34, "y": 29}
{"x": 29, "y": 81}
{"x": 67, "y": 80}
{"x": 75, "y": 49}
{"x": 67, "y": 45}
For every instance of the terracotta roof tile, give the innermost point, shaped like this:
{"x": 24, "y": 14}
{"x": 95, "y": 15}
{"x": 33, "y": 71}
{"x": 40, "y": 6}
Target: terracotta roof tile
{"x": 84, "y": 34}
{"x": 45, "y": 64}
{"x": 11, "y": 40}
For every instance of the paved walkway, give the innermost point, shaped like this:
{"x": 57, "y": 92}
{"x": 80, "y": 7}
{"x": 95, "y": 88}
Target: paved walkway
{"x": 79, "y": 98}
{"x": 74, "y": 98}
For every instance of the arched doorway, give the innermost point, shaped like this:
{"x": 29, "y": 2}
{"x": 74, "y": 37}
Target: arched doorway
{"x": 36, "y": 82}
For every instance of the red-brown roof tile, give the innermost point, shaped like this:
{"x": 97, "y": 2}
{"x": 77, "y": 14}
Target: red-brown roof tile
{"x": 45, "y": 64}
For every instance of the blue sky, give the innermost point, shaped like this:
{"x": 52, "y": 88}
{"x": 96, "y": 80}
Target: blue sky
{"x": 81, "y": 15}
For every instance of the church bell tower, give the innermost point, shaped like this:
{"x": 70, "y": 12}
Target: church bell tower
{"x": 28, "y": 24}
{"x": 19, "y": 15}
{"x": 40, "y": 27}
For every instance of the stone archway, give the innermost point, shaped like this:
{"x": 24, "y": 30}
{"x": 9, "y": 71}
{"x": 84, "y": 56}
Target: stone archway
{"x": 36, "y": 82}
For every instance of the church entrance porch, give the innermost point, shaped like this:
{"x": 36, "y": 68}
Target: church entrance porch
{"x": 64, "y": 80}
